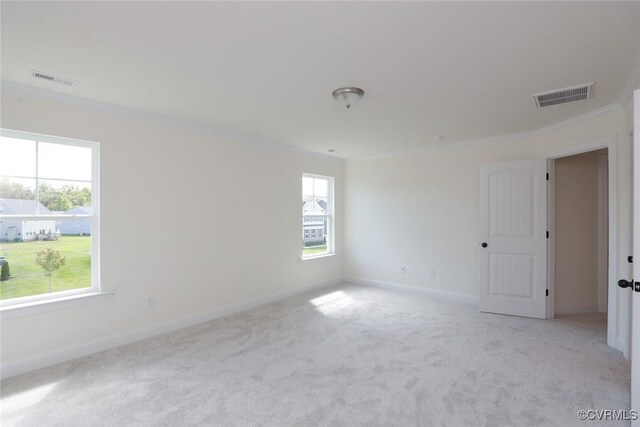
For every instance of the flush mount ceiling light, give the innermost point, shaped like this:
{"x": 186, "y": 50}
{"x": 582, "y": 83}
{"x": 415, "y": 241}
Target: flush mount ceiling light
{"x": 348, "y": 96}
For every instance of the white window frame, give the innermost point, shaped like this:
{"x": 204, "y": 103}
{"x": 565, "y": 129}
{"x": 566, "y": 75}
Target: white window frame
{"x": 94, "y": 219}
{"x": 330, "y": 216}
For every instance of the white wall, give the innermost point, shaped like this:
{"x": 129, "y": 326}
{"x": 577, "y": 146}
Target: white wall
{"x": 420, "y": 208}
{"x": 239, "y": 201}
{"x": 576, "y": 232}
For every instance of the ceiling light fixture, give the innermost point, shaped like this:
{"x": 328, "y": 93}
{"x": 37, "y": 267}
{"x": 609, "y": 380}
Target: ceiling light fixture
{"x": 348, "y": 96}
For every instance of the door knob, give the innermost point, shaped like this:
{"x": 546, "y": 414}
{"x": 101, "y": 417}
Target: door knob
{"x": 484, "y": 244}
{"x": 625, "y": 283}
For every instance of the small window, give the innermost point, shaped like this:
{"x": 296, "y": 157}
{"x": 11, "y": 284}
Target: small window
{"x": 46, "y": 182}
{"x": 317, "y": 209}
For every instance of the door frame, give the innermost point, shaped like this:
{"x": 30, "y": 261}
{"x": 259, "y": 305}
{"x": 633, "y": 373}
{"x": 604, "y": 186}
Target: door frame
{"x": 615, "y": 338}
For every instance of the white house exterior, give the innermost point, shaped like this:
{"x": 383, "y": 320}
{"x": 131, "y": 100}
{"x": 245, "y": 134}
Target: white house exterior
{"x": 314, "y": 228}
{"x": 78, "y": 226}
{"x": 23, "y": 231}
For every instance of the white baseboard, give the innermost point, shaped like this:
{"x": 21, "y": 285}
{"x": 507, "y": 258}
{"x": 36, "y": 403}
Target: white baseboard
{"x": 86, "y": 348}
{"x": 445, "y": 296}
{"x": 576, "y": 308}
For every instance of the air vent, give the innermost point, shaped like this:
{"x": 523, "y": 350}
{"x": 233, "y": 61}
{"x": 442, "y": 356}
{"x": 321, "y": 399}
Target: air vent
{"x": 562, "y": 96}
{"x": 54, "y": 79}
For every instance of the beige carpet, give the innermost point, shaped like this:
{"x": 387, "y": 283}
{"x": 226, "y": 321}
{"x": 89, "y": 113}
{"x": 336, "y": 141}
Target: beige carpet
{"x": 347, "y": 355}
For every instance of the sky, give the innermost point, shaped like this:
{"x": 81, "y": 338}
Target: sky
{"x": 56, "y": 162}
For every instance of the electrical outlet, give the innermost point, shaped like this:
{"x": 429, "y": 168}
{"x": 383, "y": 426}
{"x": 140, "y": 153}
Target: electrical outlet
{"x": 151, "y": 301}
{"x": 403, "y": 269}
{"x": 432, "y": 273}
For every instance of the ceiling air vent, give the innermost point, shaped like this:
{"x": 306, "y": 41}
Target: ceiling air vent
{"x": 54, "y": 79}
{"x": 561, "y": 96}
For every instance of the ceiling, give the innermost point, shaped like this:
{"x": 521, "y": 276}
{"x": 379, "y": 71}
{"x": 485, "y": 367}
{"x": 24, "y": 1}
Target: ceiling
{"x": 267, "y": 70}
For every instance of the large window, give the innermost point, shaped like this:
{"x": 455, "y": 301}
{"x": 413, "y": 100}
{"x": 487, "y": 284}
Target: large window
{"x": 48, "y": 217}
{"x": 317, "y": 216}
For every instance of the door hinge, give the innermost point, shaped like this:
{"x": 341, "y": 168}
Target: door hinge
{"x": 547, "y": 234}
{"x": 547, "y": 176}
{"x": 547, "y": 292}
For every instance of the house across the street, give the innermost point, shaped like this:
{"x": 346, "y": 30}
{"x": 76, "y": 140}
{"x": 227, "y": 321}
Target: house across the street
{"x": 76, "y": 226}
{"x": 314, "y": 222}
{"x": 24, "y": 231}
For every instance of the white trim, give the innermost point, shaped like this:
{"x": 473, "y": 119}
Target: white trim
{"x": 19, "y": 134}
{"x": 52, "y": 304}
{"x": 86, "y": 348}
{"x": 497, "y": 138}
{"x": 40, "y": 94}
{"x": 6, "y": 304}
{"x": 579, "y": 118}
{"x": 634, "y": 302}
{"x": 551, "y": 241}
{"x": 576, "y": 309}
{"x": 603, "y": 233}
{"x": 609, "y": 142}
{"x": 605, "y": 142}
{"x": 310, "y": 257}
{"x": 443, "y": 295}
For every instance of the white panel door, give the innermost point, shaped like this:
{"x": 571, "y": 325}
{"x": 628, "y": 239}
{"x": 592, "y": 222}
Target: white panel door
{"x": 635, "y": 296}
{"x": 513, "y": 242}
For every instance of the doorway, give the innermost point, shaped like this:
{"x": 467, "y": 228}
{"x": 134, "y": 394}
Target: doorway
{"x": 516, "y": 251}
{"x": 581, "y": 238}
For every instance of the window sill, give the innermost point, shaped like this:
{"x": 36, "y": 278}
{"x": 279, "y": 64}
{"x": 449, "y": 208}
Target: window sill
{"x": 37, "y": 307}
{"x": 307, "y": 258}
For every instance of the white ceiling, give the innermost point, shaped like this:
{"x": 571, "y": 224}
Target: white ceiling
{"x": 267, "y": 70}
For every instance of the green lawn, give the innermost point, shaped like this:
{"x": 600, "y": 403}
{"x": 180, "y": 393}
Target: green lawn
{"x": 28, "y": 278}
{"x": 314, "y": 250}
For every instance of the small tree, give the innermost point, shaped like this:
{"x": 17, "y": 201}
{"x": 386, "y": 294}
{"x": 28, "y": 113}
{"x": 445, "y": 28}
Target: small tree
{"x": 50, "y": 260}
{"x": 5, "y": 273}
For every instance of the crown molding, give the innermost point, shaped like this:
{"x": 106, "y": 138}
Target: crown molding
{"x": 33, "y": 93}
{"x": 130, "y": 113}
{"x": 499, "y": 138}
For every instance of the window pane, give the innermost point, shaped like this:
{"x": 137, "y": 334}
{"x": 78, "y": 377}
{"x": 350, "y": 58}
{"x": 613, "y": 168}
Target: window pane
{"x": 307, "y": 186}
{"x": 320, "y": 187}
{"x": 17, "y": 157}
{"x": 71, "y": 197}
{"x": 17, "y": 196}
{"x": 64, "y": 161}
{"x": 41, "y": 262}
{"x": 314, "y": 235}
{"x": 316, "y": 211}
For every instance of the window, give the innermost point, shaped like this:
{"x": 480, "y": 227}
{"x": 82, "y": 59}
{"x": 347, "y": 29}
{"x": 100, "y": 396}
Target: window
{"x": 47, "y": 184}
{"x": 317, "y": 209}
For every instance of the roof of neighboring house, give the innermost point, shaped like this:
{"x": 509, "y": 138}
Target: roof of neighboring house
{"x": 80, "y": 210}
{"x": 313, "y": 207}
{"x": 21, "y": 207}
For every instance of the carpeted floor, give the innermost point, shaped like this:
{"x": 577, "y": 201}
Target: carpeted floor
{"x": 348, "y": 355}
